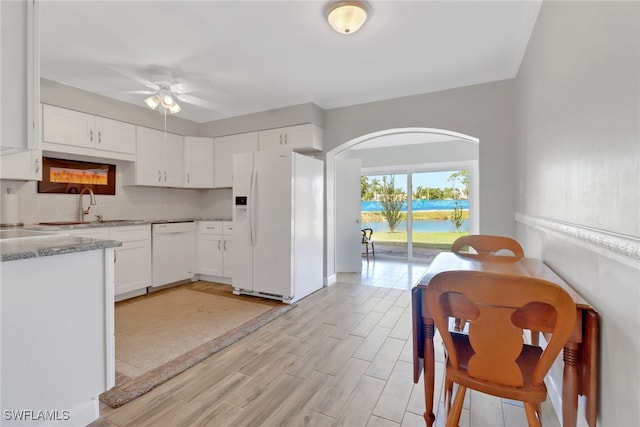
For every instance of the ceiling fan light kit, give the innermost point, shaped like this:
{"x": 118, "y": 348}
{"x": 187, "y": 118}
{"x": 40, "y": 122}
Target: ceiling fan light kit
{"x": 347, "y": 17}
{"x": 163, "y": 98}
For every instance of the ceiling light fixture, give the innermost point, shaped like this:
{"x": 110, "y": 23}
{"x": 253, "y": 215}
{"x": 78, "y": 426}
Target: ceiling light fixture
{"x": 347, "y": 17}
{"x": 165, "y": 99}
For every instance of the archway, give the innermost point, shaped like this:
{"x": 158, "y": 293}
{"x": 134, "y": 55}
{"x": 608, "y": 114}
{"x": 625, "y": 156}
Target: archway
{"x": 391, "y": 138}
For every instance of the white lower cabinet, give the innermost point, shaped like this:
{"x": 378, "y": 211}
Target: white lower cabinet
{"x": 133, "y": 259}
{"x": 213, "y": 248}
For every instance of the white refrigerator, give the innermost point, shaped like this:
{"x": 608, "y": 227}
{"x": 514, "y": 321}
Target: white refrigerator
{"x": 278, "y": 224}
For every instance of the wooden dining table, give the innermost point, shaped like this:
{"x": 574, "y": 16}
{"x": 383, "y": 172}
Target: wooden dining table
{"x": 580, "y": 354}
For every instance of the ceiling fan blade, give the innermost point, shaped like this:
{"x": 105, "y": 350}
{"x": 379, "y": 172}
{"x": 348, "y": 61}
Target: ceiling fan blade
{"x": 138, "y": 92}
{"x": 135, "y": 77}
{"x": 191, "y": 86}
{"x": 200, "y": 102}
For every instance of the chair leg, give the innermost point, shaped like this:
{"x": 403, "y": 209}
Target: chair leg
{"x": 373, "y": 251}
{"x": 533, "y": 417}
{"x": 448, "y": 394}
{"x": 453, "y": 417}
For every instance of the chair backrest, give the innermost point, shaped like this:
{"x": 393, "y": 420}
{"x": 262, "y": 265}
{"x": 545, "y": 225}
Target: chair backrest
{"x": 366, "y": 234}
{"x": 498, "y": 307}
{"x": 486, "y": 245}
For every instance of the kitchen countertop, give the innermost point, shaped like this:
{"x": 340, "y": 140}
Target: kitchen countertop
{"x": 45, "y": 244}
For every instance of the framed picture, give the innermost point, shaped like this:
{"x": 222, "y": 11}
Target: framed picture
{"x": 70, "y": 177}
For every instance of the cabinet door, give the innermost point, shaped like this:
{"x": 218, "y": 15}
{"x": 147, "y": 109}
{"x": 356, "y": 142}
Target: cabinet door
{"x": 198, "y": 162}
{"x": 209, "y": 255}
{"x": 149, "y": 157}
{"x": 303, "y": 137}
{"x": 227, "y": 270}
{"x": 272, "y": 139}
{"x": 20, "y": 82}
{"x": 113, "y": 135}
{"x": 62, "y": 126}
{"x": 133, "y": 266}
{"x": 224, "y": 149}
{"x": 173, "y": 175}
{"x": 25, "y": 165}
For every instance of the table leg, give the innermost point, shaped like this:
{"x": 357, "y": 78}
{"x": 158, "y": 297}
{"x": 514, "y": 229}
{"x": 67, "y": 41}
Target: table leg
{"x": 571, "y": 358}
{"x": 429, "y": 371}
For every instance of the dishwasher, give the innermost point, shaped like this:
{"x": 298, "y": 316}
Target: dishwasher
{"x": 173, "y": 247}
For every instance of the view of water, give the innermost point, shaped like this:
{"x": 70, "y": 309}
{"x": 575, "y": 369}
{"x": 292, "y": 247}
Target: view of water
{"x": 417, "y": 205}
{"x": 440, "y": 225}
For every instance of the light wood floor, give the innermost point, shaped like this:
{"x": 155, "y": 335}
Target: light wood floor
{"x": 342, "y": 357}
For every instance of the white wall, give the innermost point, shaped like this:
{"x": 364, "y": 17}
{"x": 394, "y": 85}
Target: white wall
{"x": 578, "y": 175}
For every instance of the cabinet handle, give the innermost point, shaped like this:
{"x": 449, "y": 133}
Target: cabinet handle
{"x": 218, "y": 244}
{"x": 225, "y": 245}
{"x": 36, "y": 165}
{"x": 159, "y": 176}
{"x": 280, "y": 139}
{"x": 285, "y": 139}
{"x": 210, "y": 228}
{"x": 99, "y": 137}
{"x": 188, "y": 177}
{"x": 91, "y": 136}
{"x": 165, "y": 176}
{"x": 115, "y": 256}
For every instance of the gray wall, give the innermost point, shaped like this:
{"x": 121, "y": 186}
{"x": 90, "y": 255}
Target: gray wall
{"x": 482, "y": 111}
{"x": 578, "y": 175}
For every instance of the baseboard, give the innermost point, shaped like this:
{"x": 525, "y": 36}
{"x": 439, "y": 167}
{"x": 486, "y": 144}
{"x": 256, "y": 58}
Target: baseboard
{"x": 329, "y": 280}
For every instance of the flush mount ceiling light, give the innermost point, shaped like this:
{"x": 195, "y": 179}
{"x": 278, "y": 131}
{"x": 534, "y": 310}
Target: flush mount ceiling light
{"x": 346, "y": 17}
{"x": 163, "y": 98}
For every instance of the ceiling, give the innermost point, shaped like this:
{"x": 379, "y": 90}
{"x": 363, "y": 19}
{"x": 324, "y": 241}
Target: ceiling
{"x": 250, "y": 56}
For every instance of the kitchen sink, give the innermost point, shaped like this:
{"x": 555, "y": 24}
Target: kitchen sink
{"x": 106, "y": 222}
{"x": 64, "y": 223}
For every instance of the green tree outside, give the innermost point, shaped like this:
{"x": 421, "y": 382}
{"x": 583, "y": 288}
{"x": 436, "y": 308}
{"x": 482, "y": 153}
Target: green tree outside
{"x": 391, "y": 199}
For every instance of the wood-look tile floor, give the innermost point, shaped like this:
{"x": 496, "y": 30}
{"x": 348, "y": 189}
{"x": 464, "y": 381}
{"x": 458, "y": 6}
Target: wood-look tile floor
{"x": 342, "y": 357}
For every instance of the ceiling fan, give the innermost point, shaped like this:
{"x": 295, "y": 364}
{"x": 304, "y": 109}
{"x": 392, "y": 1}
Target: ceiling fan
{"x": 165, "y": 91}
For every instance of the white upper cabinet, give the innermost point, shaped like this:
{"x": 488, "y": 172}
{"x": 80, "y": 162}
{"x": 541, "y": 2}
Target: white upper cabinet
{"x": 68, "y": 127}
{"x": 75, "y": 132}
{"x": 224, "y": 148}
{"x": 198, "y": 162}
{"x": 306, "y": 137}
{"x": 113, "y": 135}
{"x": 19, "y": 76}
{"x": 160, "y": 158}
{"x": 23, "y": 166}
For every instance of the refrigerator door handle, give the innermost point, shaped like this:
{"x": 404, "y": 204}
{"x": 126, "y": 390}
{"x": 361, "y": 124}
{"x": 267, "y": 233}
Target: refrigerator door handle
{"x": 252, "y": 187}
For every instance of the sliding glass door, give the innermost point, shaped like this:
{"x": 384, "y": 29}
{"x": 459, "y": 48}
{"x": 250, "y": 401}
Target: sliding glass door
{"x": 439, "y": 211}
{"x": 415, "y": 215}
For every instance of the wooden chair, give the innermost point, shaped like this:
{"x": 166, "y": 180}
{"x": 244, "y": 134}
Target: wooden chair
{"x": 493, "y": 358}
{"x": 367, "y": 240}
{"x": 486, "y": 245}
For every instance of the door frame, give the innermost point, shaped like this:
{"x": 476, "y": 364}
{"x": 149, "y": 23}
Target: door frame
{"x": 330, "y": 217}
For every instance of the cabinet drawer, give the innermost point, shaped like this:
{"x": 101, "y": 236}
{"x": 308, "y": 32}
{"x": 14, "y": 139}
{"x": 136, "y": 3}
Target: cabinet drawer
{"x": 210, "y": 227}
{"x": 92, "y": 233}
{"x": 227, "y": 228}
{"x": 130, "y": 233}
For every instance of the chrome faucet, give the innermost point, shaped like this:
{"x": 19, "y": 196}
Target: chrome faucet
{"x": 92, "y": 201}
